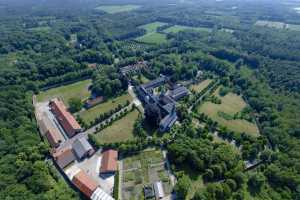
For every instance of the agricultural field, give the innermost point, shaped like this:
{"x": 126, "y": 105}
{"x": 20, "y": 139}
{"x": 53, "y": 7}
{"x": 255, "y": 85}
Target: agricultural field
{"x": 91, "y": 114}
{"x": 112, "y": 9}
{"x": 178, "y": 28}
{"x": 152, "y": 38}
{"x": 200, "y": 86}
{"x": 271, "y": 24}
{"x": 120, "y": 130}
{"x": 40, "y": 29}
{"x": 152, "y": 27}
{"x": 79, "y": 89}
{"x": 141, "y": 169}
{"x": 231, "y": 104}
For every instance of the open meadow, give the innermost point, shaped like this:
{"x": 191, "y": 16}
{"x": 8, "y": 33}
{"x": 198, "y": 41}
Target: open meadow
{"x": 112, "y": 9}
{"x": 231, "y": 104}
{"x": 121, "y": 130}
{"x": 152, "y": 38}
{"x": 152, "y": 27}
{"x": 178, "y": 28}
{"x": 200, "y": 86}
{"x": 91, "y": 114}
{"x": 79, "y": 89}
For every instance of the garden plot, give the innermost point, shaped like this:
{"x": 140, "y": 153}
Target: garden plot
{"x": 142, "y": 169}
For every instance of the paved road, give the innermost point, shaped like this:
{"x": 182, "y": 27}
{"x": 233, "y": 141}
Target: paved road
{"x": 136, "y": 101}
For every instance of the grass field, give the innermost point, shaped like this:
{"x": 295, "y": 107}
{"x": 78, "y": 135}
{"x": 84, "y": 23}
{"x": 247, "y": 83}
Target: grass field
{"x": 90, "y": 114}
{"x": 152, "y": 27}
{"x": 120, "y": 130}
{"x": 152, "y": 38}
{"x": 231, "y": 104}
{"x": 78, "y": 89}
{"x": 178, "y": 28}
{"x": 200, "y": 86}
{"x": 41, "y": 28}
{"x": 112, "y": 9}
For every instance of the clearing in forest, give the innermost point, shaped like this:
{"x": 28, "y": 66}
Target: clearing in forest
{"x": 201, "y": 86}
{"x": 152, "y": 27}
{"x": 231, "y": 105}
{"x": 143, "y": 169}
{"x": 79, "y": 89}
{"x": 152, "y": 36}
{"x": 120, "y": 131}
{"x": 112, "y": 9}
{"x": 91, "y": 114}
{"x": 178, "y": 28}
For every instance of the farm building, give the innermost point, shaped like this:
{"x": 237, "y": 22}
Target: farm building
{"x": 99, "y": 194}
{"x": 82, "y": 148}
{"x": 109, "y": 162}
{"x": 52, "y": 134}
{"x": 84, "y": 183}
{"x": 66, "y": 120}
{"x": 63, "y": 157}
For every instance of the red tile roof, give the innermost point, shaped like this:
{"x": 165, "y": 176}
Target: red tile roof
{"x": 85, "y": 183}
{"x": 65, "y": 118}
{"x": 109, "y": 161}
{"x": 54, "y": 137}
{"x": 63, "y": 157}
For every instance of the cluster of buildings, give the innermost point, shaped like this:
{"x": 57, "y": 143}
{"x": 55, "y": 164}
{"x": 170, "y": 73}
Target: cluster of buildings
{"x": 162, "y": 105}
{"x": 71, "y": 149}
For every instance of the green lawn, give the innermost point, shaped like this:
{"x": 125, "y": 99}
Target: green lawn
{"x": 90, "y": 114}
{"x": 231, "y": 104}
{"x": 152, "y": 38}
{"x": 78, "y": 89}
{"x": 41, "y": 28}
{"x": 178, "y": 28}
{"x": 120, "y": 130}
{"x": 201, "y": 86}
{"x": 111, "y": 9}
{"x": 152, "y": 27}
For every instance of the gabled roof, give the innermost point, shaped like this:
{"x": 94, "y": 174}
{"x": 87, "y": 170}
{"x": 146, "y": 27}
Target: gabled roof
{"x": 85, "y": 183}
{"x": 63, "y": 157}
{"x": 99, "y": 194}
{"x": 109, "y": 161}
{"x": 52, "y": 134}
{"x": 81, "y": 146}
{"x": 65, "y": 118}
{"x": 179, "y": 92}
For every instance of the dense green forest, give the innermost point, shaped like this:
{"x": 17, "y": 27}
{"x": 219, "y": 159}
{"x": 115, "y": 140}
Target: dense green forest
{"x": 38, "y": 51}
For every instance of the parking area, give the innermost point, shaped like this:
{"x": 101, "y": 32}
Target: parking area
{"x": 91, "y": 166}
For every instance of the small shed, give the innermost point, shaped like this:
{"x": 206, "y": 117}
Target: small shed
{"x": 159, "y": 190}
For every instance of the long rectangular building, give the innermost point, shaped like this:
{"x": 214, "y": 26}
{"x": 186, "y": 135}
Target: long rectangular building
{"x": 65, "y": 118}
{"x": 52, "y": 134}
